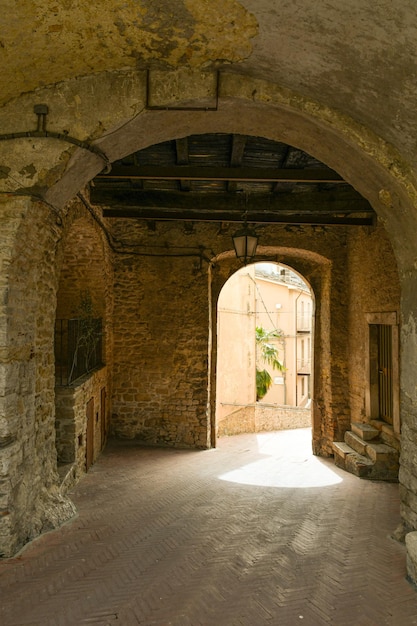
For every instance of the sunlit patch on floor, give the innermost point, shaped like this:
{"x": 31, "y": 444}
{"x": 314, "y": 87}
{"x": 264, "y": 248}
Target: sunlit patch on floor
{"x": 286, "y": 461}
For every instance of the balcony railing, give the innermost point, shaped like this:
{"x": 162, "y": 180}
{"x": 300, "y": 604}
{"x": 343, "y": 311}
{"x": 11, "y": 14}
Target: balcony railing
{"x": 78, "y": 348}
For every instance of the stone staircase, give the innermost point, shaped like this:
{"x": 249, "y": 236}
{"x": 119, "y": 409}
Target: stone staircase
{"x": 366, "y": 453}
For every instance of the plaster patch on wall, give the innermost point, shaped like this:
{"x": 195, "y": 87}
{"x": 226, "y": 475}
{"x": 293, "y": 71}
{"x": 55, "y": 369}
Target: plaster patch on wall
{"x": 66, "y": 41}
{"x": 38, "y": 162}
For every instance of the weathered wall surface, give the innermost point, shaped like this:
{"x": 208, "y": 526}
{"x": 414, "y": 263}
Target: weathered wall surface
{"x": 242, "y": 420}
{"x": 71, "y": 424}
{"x": 269, "y": 418}
{"x": 236, "y": 382}
{"x": 373, "y": 288}
{"x": 33, "y": 238}
{"x": 161, "y": 330}
{"x": 30, "y": 499}
{"x": 261, "y": 417}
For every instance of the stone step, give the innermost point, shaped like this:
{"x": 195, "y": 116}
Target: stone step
{"x": 364, "y": 431}
{"x": 379, "y": 462}
{"x": 387, "y": 434}
{"x": 381, "y": 452}
{"x": 359, "y": 465}
{"x": 341, "y": 450}
{"x": 355, "y": 442}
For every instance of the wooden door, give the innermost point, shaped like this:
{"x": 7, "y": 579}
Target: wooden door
{"x": 89, "y": 451}
{"x": 385, "y": 386}
{"x": 103, "y": 423}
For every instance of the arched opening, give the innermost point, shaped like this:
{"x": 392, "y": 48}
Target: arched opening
{"x": 169, "y": 406}
{"x": 265, "y": 348}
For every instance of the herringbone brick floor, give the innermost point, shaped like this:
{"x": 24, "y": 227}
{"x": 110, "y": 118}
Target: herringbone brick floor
{"x": 257, "y": 531}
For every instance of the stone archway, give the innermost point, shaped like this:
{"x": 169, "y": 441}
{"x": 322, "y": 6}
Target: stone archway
{"x": 255, "y": 107}
{"x": 274, "y": 298}
{"x": 316, "y": 269}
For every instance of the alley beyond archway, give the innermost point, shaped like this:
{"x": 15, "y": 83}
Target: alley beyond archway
{"x": 180, "y": 537}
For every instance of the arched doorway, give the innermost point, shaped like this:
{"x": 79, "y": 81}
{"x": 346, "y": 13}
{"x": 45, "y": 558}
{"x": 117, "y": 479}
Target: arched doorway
{"x": 264, "y": 359}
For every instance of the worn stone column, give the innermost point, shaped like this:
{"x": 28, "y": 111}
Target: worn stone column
{"x": 30, "y": 502}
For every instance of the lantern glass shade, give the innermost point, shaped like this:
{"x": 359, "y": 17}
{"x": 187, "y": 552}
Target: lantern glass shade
{"x": 245, "y": 242}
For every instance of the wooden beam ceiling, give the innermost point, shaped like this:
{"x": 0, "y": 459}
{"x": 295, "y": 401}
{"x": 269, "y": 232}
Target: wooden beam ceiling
{"x": 303, "y": 208}
{"x": 228, "y": 178}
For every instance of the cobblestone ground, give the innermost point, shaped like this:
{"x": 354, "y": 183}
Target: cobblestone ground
{"x": 256, "y": 531}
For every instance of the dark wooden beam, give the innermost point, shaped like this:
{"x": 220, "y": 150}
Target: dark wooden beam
{"x": 316, "y": 202}
{"x": 258, "y": 218}
{"x": 242, "y": 174}
{"x": 346, "y": 207}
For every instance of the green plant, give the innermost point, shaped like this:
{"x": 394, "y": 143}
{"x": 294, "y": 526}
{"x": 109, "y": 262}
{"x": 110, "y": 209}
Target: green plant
{"x": 268, "y": 353}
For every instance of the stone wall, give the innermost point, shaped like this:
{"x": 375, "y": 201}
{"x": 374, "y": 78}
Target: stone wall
{"x": 242, "y": 420}
{"x": 161, "y": 330}
{"x": 30, "y": 499}
{"x": 262, "y": 417}
{"x": 164, "y": 390}
{"x": 33, "y": 238}
{"x": 71, "y": 424}
{"x": 270, "y": 418}
{"x": 374, "y": 288}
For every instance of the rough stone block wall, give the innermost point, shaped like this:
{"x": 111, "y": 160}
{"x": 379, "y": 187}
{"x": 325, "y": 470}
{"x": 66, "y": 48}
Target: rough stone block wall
{"x": 161, "y": 330}
{"x": 71, "y": 422}
{"x": 270, "y": 418}
{"x": 374, "y": 288}
{"x": 240, "y": 421}
{"x": 259, "y": 418}
{"x": 30, "y": 499}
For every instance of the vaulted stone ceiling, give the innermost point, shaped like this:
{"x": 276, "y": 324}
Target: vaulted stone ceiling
{"x": 357, "y": 56}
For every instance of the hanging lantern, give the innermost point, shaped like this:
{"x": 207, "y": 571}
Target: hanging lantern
{"x": 245, "y": 242}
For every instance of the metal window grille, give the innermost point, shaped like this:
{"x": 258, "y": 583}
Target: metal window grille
{"x": 78, "y": 348}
